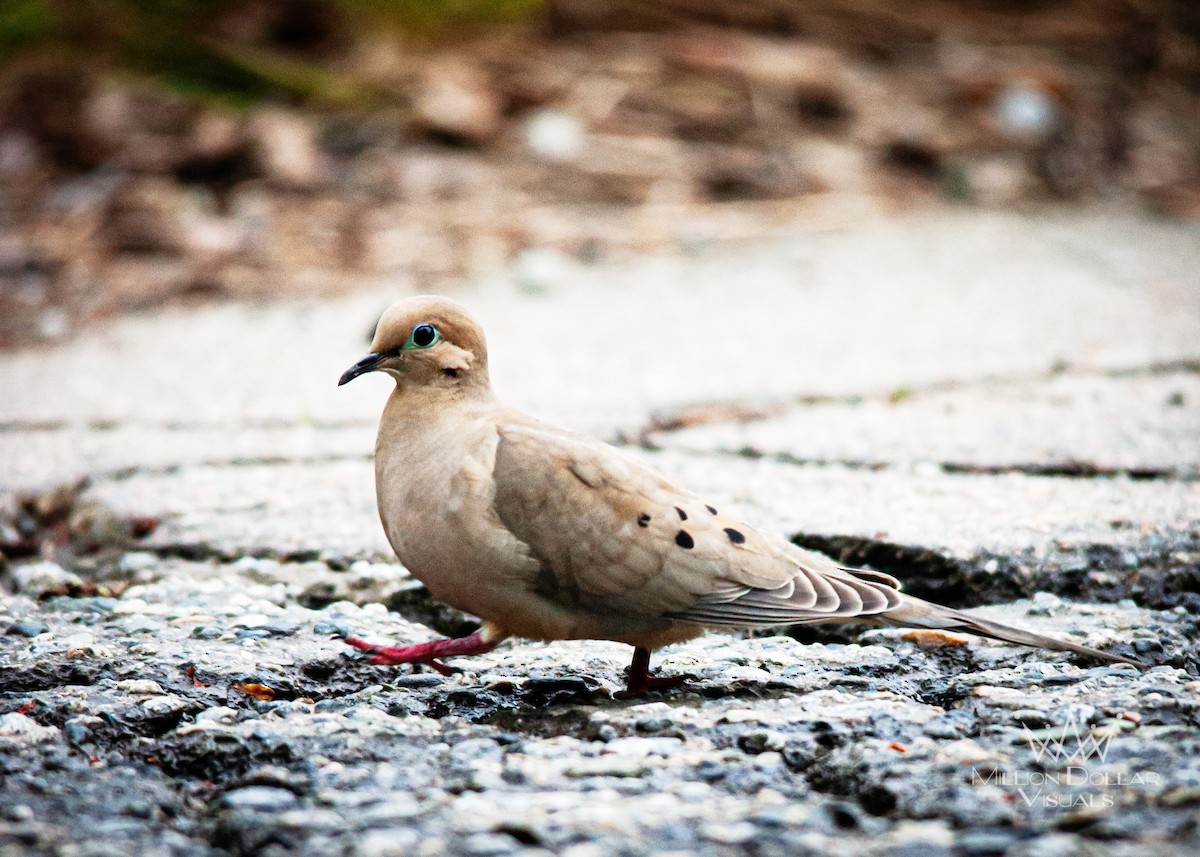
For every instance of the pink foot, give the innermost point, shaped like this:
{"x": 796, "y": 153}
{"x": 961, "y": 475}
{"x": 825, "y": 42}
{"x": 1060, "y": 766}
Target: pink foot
{"x": 640, "y": 682}
{"x": 424, "y": 653}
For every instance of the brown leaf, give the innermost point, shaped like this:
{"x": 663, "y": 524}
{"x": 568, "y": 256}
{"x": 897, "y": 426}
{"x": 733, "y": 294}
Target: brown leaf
{"x": 930, "y": 639}
{"x": 258, "y": 691}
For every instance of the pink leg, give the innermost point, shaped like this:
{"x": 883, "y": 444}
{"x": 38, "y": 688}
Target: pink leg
{"x": 425, "y": 653}
{"x": 640, "y": 681}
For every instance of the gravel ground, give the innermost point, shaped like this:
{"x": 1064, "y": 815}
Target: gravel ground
{"x": 187, "y": 516}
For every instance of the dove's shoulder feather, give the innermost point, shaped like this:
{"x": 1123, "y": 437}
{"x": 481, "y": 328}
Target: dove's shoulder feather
{"x": 613, "y": 534}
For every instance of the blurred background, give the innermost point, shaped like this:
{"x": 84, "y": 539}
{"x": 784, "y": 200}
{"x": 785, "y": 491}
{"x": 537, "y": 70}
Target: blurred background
{"x": 167, "y": 151}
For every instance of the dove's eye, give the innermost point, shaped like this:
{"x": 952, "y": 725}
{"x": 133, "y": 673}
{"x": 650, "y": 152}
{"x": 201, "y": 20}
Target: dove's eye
{"x": 423, "y": 336}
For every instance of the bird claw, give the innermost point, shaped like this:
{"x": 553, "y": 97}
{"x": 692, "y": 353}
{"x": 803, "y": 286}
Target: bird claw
{"x": 441, "y": 668}
{"x": 383, "y": 660}
{"x": 363, "y": 646}
{"x": 639, "y": 681}
{"x": 651, "y": 683}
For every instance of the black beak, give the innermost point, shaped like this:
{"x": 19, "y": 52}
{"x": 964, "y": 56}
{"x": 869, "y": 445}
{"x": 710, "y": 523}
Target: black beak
{"x": 368, "y": 364}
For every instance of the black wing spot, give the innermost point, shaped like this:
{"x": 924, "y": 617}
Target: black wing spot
{"x": 684, "y": 539}
{"x": 735, "y": 536}
{"x": 682, "y": 514}
{"x": 643, "y": 520}
{"x": 711, "y": 510}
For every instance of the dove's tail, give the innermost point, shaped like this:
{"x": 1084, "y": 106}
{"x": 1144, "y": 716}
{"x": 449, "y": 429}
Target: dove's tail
{"x": 915, "y": 613}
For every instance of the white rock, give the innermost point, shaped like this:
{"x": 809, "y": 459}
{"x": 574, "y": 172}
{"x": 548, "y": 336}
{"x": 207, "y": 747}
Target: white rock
{"x": 136, "y": 561}
{"x": 18, "y": 730}
{"x": 553, "y": 135}
{"x": 259, "y": 798}
{"x": 1024, "y": 110}
{"x": 37, "y": 577}
{"x": 164, "y": 704}
{"x": 729, "y": 834}
{"x": 53, "y": 323}
{"x": 140, "y": 687}
{"x": 607, "y": 766}
{"x": 217, "y": 714}
{"x": 390, "y": 842}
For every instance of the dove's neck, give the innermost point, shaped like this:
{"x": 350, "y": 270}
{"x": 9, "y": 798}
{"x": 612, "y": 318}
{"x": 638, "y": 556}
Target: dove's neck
{"x": 421, "y": 420}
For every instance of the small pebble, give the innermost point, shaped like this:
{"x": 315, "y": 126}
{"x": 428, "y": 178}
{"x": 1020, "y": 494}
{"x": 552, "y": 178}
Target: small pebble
{"x": 217, "y": 714}
{"x": 653, "y": 724}
{"x": 37, "y": 577}
{"x": 259, "y": 799}
{"x": 607, "y": 766}
{"x": 27, "y": 629}
{"x": 1025, "y": 110}
{"x": 76, "y": 733}
{"x": 159, "y": 705}
{"x": 141, "y": 625}
{"x": 416, "y": 680}
{"x": 1147, "y": 646}
{"x": 554, "y": 135}
{"x": 986, "y": 842}
{"x": 140, "y": 687}
{"x": 97, "y": 604}
{"x": 761, "y": 741}
{"x": 17, "y": 812}
{"x": 19, "y": 729}
{"x": 256, "y": 566}
{"x": 946, "y": 727}
{"x": 253, "y": 633}
{"x": 136, "y": 561}
{"x": 329, "y": 628}
{"x": 1032, "y": 717}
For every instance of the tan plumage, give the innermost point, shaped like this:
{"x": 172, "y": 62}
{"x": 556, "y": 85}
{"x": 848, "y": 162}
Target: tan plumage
{"x": 550, "y": 535}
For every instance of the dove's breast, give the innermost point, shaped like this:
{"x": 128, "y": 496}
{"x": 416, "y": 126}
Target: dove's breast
{"x": 436, "y": 494}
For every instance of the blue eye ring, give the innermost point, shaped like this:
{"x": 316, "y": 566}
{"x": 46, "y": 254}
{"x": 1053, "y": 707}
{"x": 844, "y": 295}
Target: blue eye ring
{"x": 423, "y": 336}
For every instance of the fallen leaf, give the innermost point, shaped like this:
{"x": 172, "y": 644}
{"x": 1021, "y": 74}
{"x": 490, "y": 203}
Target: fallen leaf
{"x": 930, "y": 639}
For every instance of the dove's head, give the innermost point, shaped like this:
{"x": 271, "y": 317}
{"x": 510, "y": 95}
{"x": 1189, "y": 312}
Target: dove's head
{"x": 426, "y": 341}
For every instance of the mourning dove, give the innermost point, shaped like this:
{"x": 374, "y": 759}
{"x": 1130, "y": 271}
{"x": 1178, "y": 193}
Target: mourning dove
{"x": 546, "y": 534}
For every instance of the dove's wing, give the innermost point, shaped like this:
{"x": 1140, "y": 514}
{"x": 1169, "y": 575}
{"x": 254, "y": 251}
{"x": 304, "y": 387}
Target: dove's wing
{"x": 615, "y": 537}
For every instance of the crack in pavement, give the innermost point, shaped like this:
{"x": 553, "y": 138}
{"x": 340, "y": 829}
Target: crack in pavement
{"x": 122, "y": 474}
{"x": 1068, "y": 469}
{"x": 1076, "y": 470}
{"x": 758, "y": 409}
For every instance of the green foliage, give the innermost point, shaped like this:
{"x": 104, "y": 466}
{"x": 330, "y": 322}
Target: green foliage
{"x": 26, "y": 22}
{"x": 440, "y": 16}
{"x": 181, "y": 44}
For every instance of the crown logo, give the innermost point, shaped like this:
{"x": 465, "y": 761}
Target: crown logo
{"x": 1071, "y": 742}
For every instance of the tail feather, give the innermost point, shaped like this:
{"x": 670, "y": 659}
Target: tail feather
{"x": 915, "y": 613}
